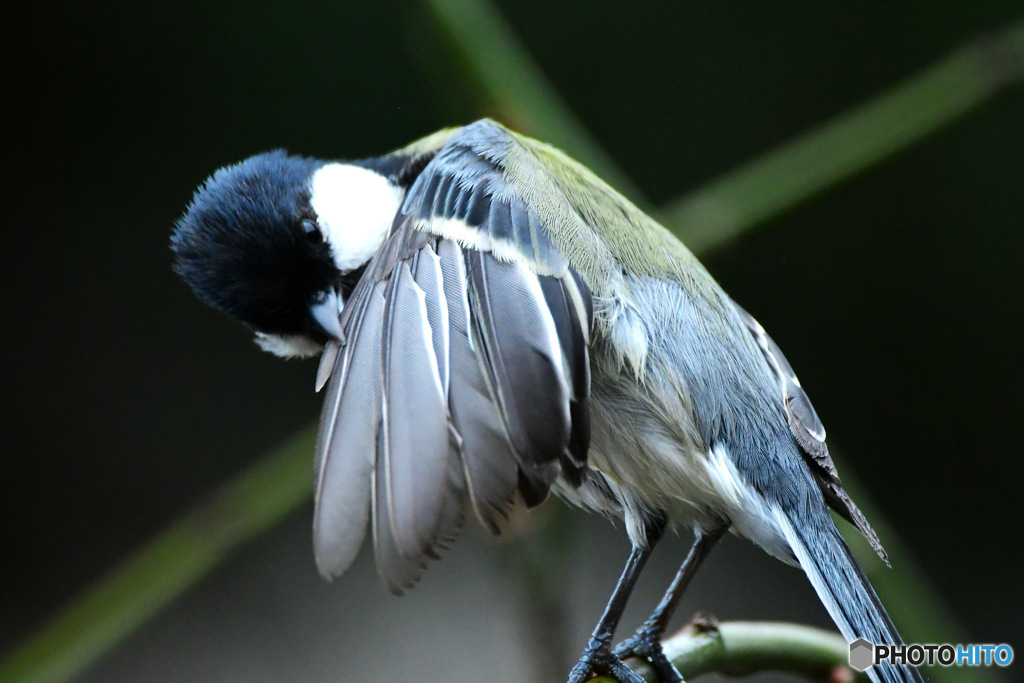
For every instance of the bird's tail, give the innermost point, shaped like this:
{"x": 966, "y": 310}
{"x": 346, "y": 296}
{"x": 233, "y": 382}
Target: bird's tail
{"x": 843, "y": 588}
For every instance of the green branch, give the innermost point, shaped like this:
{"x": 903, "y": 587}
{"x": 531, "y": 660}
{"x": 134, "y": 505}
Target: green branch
{"x": 743, "y": 648}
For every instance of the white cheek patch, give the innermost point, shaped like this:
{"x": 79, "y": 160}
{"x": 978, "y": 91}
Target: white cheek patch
{"x": 355, "y": 208}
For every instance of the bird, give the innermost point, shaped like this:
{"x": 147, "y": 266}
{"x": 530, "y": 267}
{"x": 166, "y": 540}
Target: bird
{"x": 495, "y": 323}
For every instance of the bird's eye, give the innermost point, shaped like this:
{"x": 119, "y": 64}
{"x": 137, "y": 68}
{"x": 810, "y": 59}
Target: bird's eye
{"x": 311, "y": 231}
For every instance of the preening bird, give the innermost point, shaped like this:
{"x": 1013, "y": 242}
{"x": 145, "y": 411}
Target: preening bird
{"x": 496, "y": 322}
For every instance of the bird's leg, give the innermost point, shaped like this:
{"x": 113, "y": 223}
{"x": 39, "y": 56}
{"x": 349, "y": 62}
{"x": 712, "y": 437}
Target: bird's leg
{"x": 598, "y": 658}
{"x": 646, "y": 642}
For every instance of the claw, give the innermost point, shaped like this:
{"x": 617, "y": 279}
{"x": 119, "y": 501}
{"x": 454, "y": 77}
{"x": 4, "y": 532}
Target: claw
{"x": 645, "y": 644}
{"x": 599, "y": 660}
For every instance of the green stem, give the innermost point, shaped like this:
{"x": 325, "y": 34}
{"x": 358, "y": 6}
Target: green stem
{"x": 165, "y": 567}
{"x": 744, "y": 648}
{"x": 505, "y": 76}
{"x": 848, "y": 144}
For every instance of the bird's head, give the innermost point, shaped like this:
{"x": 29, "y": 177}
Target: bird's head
{"x": 278, "y": 241}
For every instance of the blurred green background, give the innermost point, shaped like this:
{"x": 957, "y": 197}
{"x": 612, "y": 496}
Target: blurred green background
{"x": 896, "y": 296}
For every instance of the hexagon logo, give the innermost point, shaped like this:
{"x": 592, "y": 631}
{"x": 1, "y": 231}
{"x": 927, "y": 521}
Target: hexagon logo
{"x": 862, "y": 654}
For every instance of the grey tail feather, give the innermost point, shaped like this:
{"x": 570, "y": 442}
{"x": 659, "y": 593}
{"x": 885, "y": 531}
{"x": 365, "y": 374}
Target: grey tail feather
{"x": 844, "y": 589}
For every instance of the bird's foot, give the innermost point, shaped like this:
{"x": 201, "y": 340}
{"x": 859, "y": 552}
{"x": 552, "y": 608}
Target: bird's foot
{"x": 645, "y": 644}
{"x": 599, "y": 660}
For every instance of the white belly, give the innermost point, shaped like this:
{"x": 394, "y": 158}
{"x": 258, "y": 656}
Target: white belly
{"x": 652, "y": 466}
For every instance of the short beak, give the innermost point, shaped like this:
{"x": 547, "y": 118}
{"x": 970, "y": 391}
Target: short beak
{"x": 327, "y": 314}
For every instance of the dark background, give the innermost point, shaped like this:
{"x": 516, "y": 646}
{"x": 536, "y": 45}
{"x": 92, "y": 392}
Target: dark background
{"x": 897, "y": 297}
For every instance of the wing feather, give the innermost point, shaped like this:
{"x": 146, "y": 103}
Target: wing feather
{"x": 572, "y": 336}
{"x": 429, "y": 279}
{"x": 523, "y": 360}
{"x": 398, "y": 572}
{"x": 414, "y": 461}
{"x": 488, "y": 459}
{"x": 464, "y": 373}
{"x": 477, "y": 208}
{"x": 348, "y": 440}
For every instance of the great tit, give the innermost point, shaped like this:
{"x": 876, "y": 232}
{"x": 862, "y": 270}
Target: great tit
{"x": 496, "y": 322}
